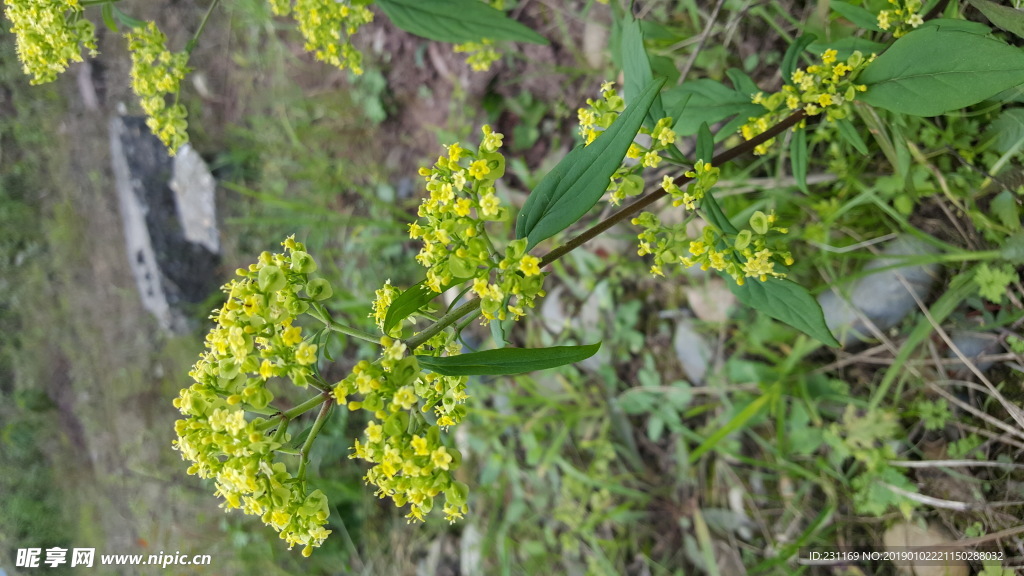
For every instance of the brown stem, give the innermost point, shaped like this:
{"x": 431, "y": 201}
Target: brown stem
{"x": 645, "y": 201}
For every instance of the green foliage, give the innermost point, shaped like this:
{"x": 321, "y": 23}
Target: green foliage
{"x": 910, "y": 78}
{"x": 456, "y": 21}
{"x": 507, "y": 361}
{"x": 786, "y": 301}
{"x": 572, "y": 188}
{"x": 1007, "y": 18}
{"x": 705, "y": 100}
{"x": 994, "y": 280}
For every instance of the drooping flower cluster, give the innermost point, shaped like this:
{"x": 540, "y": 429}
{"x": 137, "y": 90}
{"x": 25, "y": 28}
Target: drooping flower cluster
{"x": 598, "y": 115}
{"x": 904, "y": 18}
{"x": 828, "y": 87}
{"x": 156, "y": 74}
{"x": 253, "y": 341}
{"x": 327, "y": 26}
{"x": 410, "y": 463}
{"x": 743, "y": 255}
{"x": 663, "y": 241}
{"x": 49, "y": 34}
{"x": 456, "y": 244}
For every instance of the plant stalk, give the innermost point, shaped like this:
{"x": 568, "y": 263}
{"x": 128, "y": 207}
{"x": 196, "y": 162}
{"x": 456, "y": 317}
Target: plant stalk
{"x": 321, "y": 418}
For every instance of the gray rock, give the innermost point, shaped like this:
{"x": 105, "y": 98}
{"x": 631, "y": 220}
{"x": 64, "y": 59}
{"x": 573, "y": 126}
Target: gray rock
{"x": 693, "y": 351}
{"x": 170, "y": 235}
{"x": 194, "y": 188}
{"x": 880, "y": 297}
{"x": 972, "y": 344}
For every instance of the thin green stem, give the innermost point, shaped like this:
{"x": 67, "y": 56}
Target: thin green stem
{"x": 444, "y": 322}
{"x": 281, "y": 430}
{"x": 306, "y": 406}
{"x": 87, "y": 3}
{"x": 342, "y": 329}
{"x": 321, "y": 419}
{"x": 195, "y": 37}
{"x": 597, "y": 229}
{"x": 320, "y": 313}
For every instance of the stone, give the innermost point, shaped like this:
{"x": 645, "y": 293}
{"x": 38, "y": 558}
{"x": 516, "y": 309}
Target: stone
{"x": 170, "y": 232}
{"x": 880, "y": 297}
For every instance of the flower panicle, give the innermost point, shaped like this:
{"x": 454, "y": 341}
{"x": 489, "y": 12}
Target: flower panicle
{"x": 253, "y": 341}
{"x": 827, "y": 88}
{"x": 49, "y": 35}
{"x": 156, "y": 76}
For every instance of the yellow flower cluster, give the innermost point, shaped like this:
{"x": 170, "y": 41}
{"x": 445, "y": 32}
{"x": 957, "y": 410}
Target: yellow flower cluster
{"x": 903, "y": 19}
{"x": 828, "y": 87}
{"x": 411, "y": 465}
{"x": 480, "y": 55}
{"x": 156, "y": 74}
{"x": 456, "y": 245}
{"x": 254, "y": 340}
{"x": 49, "y": 35}
{"x": 327, "y": 26}
{"x": 664, "y": 241}
{"x": 385, "y": 295}
{"x": 598, "y": 115}
{"x": 744, "y": 255}
{"x": 704, "y": 175}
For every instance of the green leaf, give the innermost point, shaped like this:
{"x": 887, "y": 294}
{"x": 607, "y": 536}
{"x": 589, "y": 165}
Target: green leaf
{"x": 1008, "y": 129}
{"x": 933, "y": 70}
{"x": 636, "y": 67}
{"x": 107, "y": 12}
{"x": 507, "y": 360}
{"x": 128, "y": 20}
{"x": 715, "y": 215}
{"x": 456, "y": 21}
{"x": 742, "y": 83}
{"x": 705, "y": 143}
{"x": 408, "y": 303}
{"x": 1005, "y": 206}
{"x": 709, "y": 101}
{"x": 960, "y": 25}
{"x": 787, "y": 302}
{"x": 856, "y": 14}
{"x": 1007, "y": 18}
{"x": 798, "y": 158}
{"x": 848, "y": 132}
{"x": 572, "y": 188}
{"x": 792, "y": 56}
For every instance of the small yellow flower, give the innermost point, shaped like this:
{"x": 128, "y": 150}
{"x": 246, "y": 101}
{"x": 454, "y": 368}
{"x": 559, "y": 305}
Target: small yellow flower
{"x": 529, "y": 265}
{"x": 479, "y": 169}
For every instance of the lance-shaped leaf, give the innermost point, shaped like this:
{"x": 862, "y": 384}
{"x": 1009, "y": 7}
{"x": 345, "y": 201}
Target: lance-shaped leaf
{"x": 410, "y": 301}
{"x": 506, "y": 361}
{"x": 714, "y": 214}
{"x": 787, "y": 302}
{"x": 711, "y": 102}
{"x": 407, "y": 303}
{"x": 791, "y": 59}
{"x": 636, "y": 68}
{"x": 935, "y": 69}
{"x": 798, "y": 158}
{"x": 456, "y": 21}
{"x": 1006, "y": 17}
{"x": 572, "y": 188}
{"x": 862, "y": 17}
